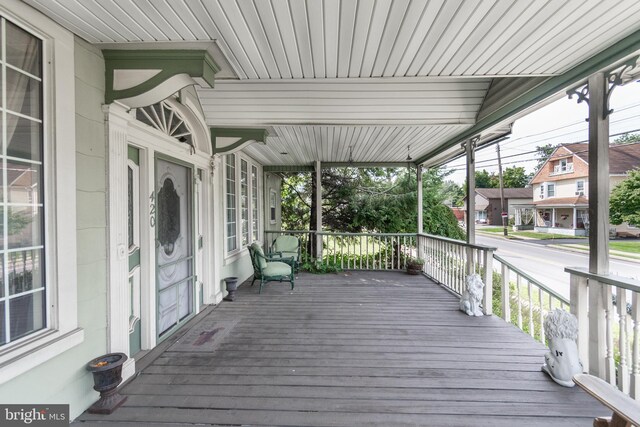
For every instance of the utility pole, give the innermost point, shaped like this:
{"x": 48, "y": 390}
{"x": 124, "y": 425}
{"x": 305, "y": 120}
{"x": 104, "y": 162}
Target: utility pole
{"x": 505, "y": 209}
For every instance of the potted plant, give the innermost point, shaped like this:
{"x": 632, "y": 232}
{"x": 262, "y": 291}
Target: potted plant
{"x": 414, "y": 265}
{"x": 107, "y": 375}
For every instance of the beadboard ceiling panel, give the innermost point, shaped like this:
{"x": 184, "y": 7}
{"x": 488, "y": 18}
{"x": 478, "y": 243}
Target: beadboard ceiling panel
{"x": 314, "y": 39}
{"x": 344, "y": 101}
{"x": 304, "y": 144}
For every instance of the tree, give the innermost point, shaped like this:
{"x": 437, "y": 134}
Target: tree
{"x": 486, "y": 180}
{"x": 627, "y": 138}
{"x": 543, "y": 152}
{"x": 515, "y": 177}
{"x": 372, "y": 199}
{"x": 624, "y": 204}
{"x": 453, "y": 193}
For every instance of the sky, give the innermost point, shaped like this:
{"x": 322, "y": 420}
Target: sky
{"x": 562, "y": 121}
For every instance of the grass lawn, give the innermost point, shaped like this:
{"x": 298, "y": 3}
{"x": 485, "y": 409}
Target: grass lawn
{"x": 529, "y": 234}
{"x": 631, "y": 247}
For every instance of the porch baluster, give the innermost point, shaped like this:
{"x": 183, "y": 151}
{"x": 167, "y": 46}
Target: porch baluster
{"x": 610, "y": 364}
{"x": 529, "y": 294}
{"x": 635, "y": 362}
{"x": 623, "y": 369}
{"x": 506, "y": 306}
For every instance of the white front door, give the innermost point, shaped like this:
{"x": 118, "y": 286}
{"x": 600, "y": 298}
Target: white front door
{"x": 174, "y": 244}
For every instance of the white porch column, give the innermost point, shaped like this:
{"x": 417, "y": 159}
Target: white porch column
{"x": 553, "y": 217}
{"x": 598, "y": 177}
{"x": 471, "y": 201}
{"x": 471, "y": 192}
{"x": 119, "y": 304}
{"x": 575, "y": 219}
{"x": 318, "y": 171}
{"x": 420, "y": 219}
{"x": 599, "y": 221}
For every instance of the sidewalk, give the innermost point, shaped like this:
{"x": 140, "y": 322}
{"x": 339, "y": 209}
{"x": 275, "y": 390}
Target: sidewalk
{"x": 568, "y": 244}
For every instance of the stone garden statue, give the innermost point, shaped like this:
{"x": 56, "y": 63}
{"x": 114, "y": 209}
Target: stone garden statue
{"x": 562, "y": 361}
{"x": 472, "y": 296}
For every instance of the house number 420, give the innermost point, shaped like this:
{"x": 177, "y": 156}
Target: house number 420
{"x": 152, "y": 209}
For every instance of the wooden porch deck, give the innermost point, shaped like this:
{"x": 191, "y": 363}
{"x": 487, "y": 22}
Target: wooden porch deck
{"x": 353, "y": 349}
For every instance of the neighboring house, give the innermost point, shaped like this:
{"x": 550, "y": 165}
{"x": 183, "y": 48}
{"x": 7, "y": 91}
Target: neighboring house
{"x": 489, "y": 204}
{"x": 458, "y": 212}
{"x": 560, "y": 188}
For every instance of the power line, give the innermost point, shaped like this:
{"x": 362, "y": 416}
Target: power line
{"x": 535, "y": 151}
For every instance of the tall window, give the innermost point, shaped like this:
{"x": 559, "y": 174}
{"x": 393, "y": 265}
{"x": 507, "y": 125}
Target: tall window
{"x": 255, "y": 218}
{"x": 22, "y": 286}
{"x": 242, "y": 220}
{"x": 244, "y": 201}
{"x": 232, "y": 243}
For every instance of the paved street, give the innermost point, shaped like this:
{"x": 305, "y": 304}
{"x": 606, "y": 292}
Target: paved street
{"x": 547, "y": 264}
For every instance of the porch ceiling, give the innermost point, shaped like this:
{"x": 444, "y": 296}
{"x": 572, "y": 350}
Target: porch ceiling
{"x": 349, "y": 38}
{"x": 376, "y": 75}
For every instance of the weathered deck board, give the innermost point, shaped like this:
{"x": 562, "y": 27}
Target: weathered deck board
{"x": 374, "y": 349}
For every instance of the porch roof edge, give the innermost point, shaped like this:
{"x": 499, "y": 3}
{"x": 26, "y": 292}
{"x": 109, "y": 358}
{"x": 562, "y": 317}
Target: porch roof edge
{"x": 602, "y": 60}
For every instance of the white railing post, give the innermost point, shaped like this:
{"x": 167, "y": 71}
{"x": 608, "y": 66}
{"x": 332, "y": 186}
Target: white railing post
{"x": 580, "y": 308}
{"x": 506, "y": 297}
{"x": 487, "y": 302}
{"x": 597, "y": 330}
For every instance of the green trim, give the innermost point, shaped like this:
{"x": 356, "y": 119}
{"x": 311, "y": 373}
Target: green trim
{"x": 549, "y": 87}
{"x": 288, "y": 168}
{"x": 244, "y": 135}
{"x": 134, "y": 259}
{"x": 133, "y": 154}
{"x": 195, "y": 63}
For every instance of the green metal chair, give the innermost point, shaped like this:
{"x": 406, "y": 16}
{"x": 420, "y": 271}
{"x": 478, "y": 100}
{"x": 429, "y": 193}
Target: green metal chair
{"x": 269, "y": 269}
{"x": 287, "y": 247}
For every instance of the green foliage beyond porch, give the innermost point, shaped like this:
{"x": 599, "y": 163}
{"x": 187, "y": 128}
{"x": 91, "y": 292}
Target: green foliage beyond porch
{"x": 382, "y": 200}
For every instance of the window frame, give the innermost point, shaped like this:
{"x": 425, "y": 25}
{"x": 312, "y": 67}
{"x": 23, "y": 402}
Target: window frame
{"x": 551, "y": 189}
{"x": 59, "y": 192}
{"x": 240, "y": 246}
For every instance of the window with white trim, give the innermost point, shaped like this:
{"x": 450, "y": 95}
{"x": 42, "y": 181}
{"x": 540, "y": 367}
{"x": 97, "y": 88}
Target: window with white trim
{"x": 242, "y": 221}
{"x": 551, "y": 190}
{"x": 255, "y": 218}
{"x": 231, "y": 218}
{"x": 23, "y": 301}
{"x": 38, "y": 287}
{"x": 244, "y": 201}
{"x": 580, "y": 188}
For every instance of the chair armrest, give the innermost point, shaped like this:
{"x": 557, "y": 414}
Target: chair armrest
{"x": 289, "y": 260}
{"x": 620, "y": 404}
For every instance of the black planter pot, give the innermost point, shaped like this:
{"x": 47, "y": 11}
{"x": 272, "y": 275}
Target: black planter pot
{"x": 107, "y": 375}
{"x": 232, "y": 286}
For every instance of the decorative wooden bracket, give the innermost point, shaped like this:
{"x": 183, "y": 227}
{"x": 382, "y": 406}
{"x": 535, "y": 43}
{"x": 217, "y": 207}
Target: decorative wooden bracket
{"x": 138, "y": 78}
{"x": 229, "y": 140}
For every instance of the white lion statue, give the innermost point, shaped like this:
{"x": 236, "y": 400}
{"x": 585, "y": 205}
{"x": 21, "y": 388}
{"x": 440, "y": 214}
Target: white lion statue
{"x": 562, "y": 361}
{"x": 472, "y": 296}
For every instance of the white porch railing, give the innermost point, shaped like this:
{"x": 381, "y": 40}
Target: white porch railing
{"x": 522, "y": 300}
{"x": 305, "y": 236}
{"x": 368, "y": 251}
{"x": 608, "y": 312}
{"x": 448, "y": 261}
